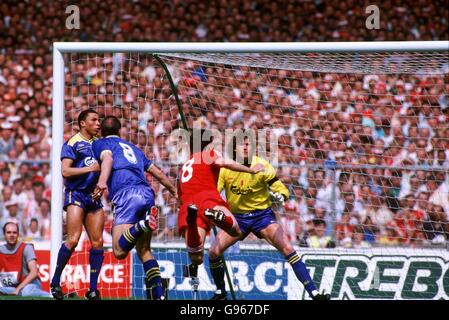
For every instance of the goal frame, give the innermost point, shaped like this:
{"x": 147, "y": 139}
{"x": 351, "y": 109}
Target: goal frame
{"x": 59, "y": 48}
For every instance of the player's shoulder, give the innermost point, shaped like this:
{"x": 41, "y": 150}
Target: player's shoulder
{"x": 78, "y": 139}
{"x": 257, "y": 159}
{"x": 73, "y": 140}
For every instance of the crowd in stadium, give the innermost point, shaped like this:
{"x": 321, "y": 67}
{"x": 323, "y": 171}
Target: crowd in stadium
{"x": 388, "y": 120}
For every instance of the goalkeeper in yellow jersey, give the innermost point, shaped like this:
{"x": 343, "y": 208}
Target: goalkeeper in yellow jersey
{"x": 249, "y": 197}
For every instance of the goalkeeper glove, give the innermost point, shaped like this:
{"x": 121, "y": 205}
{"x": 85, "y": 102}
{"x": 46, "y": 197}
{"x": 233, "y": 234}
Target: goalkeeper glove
{"x": 277, "y": 197}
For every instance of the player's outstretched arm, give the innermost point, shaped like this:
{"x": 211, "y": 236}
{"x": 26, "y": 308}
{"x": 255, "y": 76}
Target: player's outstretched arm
{"x": 69, "y": 171}
{"x": 235, "y": 166}
{"x": 163, "y": 179}
{"x": 106, "y": 168}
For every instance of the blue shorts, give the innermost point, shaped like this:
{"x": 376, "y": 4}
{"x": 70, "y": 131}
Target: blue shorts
{"x": 255, "y": 221}
{"x": 83, "y": 199}
{"x": 130, "y": 205}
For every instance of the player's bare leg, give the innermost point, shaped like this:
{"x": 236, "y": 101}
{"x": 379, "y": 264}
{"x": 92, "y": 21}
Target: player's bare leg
{"x": 75, "y": 217}
{"x": 224, "y": 219}
{"x": 153, "y": 281}
{"x": 216, "y": 264}
{"x": 275, "y": 235}
{"x": 94, "y": 223}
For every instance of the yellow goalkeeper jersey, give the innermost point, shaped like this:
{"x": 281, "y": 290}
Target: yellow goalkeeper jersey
{"x": 246, "y": 192}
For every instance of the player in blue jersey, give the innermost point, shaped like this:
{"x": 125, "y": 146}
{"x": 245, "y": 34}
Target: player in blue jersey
{"x": 123, "y": 168}
{"x": 81, "y": 170}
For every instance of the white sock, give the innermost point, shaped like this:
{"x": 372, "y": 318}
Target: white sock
{"x": 314, "y": 293}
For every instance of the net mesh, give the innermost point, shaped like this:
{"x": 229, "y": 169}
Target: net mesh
{"x": 362, "y": 144}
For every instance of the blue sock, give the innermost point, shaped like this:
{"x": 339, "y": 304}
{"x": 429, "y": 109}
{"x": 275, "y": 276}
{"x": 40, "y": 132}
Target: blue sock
{"x": 96, "y": 257}
{"x": 128, "y": 239}
{"x": 217, "y": 270}
{"x": 153, "y": 279}
{"x": 63, "y": 257}
{"x": 301, "y": 272}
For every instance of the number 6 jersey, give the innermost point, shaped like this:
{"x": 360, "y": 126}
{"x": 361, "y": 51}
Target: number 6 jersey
{"x": 128, "y": 165}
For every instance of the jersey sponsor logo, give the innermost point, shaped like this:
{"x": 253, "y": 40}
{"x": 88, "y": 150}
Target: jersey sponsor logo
{"x": 89, "y": 161}
{"x": 241, "y": 190}
{"x": 81, "y": 147}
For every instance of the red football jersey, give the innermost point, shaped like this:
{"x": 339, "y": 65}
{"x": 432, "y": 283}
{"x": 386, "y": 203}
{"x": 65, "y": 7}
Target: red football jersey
{"x": 198, "y": 174}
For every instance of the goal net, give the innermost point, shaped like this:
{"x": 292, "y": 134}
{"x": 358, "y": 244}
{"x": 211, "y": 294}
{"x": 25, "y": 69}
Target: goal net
{"x": 361, "y": 140}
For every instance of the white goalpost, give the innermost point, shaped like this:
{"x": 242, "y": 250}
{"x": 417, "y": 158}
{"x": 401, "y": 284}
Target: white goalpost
{"x": 268, "y": 83}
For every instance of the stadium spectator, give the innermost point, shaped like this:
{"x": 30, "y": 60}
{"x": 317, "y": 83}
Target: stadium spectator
{"x": 168, "y": 216}
{"x": 436, "y": 228}
{"x": 19, "y": 194}
{"x": 318, "y": 239}
{"x": 33, "y": 232}
{"x": 12, "y": 213}
{"x": 18, "y": 265}
{"x": 44, "y": 218}
{"x": 357, "y": 240}
{"x": 343, "y": 230}
{"x": 391, "y": 236}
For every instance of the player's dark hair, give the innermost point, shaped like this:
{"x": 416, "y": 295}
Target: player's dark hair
{"x": 110, "y": 126}
{"x": 203, "y": 135}
{"x": 83, "y": 115}
{"x": 10, "y": 222}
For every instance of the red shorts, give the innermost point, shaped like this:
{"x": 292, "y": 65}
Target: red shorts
{"x": 202, "y": 200}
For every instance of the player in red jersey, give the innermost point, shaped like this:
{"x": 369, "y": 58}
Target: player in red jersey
{"x": 201, "y": 204}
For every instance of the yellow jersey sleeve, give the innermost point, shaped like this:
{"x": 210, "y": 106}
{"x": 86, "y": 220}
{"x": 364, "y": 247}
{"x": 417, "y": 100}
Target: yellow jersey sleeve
{"x": 269, "y": 173}
{"x": 273, "y": 182}
{"x": 221, "y": 180}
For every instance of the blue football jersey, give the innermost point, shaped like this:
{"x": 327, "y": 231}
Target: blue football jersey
{"x": 128, "y": 166}
{"x": 80, "y": 151}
